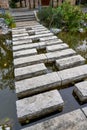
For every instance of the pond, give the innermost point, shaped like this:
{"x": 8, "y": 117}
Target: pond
{"x": 7, "y": 93}
{"x": 8, "y": 97}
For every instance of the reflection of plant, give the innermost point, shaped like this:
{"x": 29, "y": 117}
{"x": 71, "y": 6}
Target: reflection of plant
{"x": 65, "y": 16}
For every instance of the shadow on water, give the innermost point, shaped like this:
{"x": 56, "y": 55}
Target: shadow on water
{"x": 7, "y": 93}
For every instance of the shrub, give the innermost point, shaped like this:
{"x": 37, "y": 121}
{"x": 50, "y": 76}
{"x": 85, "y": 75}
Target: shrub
{"x": 66, "y": 16}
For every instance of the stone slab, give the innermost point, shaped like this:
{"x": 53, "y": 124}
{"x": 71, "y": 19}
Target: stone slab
{"x": 48, "y": 38}
{"x": 74, "y": 74}
{"x": 74, "y": 120}
{"x": 29, "y": 71}
{"x": 85, "y": 110}
{"x": 20, "y": 35}
{"x": 69, "y": 62}
{"x": 20, "y": 38}
{"x": 37, "y": 84}
{"x": 29, "y": 60}
{"x": 39, "y": 105}
{"x": 23, "y": 53}
{"x": 52, "y": 56}
{"x": 20, "y": 42}
{"x": 81, "y": 91}
{"x": 25, "y": 46}
{"x": 42, "y": 32}
{"x": 53, "y": 41}
{"x": 56, "y": 47}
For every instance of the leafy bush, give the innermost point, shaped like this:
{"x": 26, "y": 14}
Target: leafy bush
{"x": 8, "y": 19}
{"x": 66, "y": 16}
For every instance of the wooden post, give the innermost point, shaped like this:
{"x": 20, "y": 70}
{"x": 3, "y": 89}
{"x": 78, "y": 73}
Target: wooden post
{"x": 29, "y": 4}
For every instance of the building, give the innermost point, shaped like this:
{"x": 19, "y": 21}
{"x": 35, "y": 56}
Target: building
{"x": 4, "y": 4}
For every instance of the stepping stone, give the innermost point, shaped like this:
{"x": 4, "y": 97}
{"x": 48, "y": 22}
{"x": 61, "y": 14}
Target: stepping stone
{"x": 81, "y": 91}
{"x": 42, "y": 32}
{"x": 48, "y": 38}
{"x": 29, "y": 71}
{"x": 37, "y": 84}
{"x": 18, "y": 31}
{"x": 56, "y": 47}
{"x": 25, "y": 46}
{"x": 20, "y": 35}
{"x": 73, "y": 74}
{"x": 15, "y": 43}
{"x": 85, "y": 110}
{"x": 20, "y": 38}
{"x": 52, "y": 56}
{"x": 39, "y": 105}
{"x": 29, "y": 60}
{"x": 69, "y": 62}
{"x": 23, "y": 53}
{"x": 53, "y": 41}
{"x": 74, "y": 120}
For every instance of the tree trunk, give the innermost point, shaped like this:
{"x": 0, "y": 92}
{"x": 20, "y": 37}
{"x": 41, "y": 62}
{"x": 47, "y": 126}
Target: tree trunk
{"x": 29, "y": 4}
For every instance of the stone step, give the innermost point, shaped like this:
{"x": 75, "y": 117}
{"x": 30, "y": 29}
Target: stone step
{"x": 81, "y": 91}
{"x": 47, "y": 57}
{"x": 56, "y": 47}
{"x": 48, "y": 38}
{"x": 32, "y": 37}
{"x": 25, "y": 46}
{"x": 74, "y": 120}
{"x": 74, "y": 74}
{"x": 29, "y": 60}
{"x": 20, "y": 42}
{"x": 85, "y": 110}
{"x": 39, "y": 105}
{"x": 69, "y": 62}
{"x": 52, "y": 56}
{"x": 30, "y": 71}
{"x": 38, "y": 45}
{"x": 20, "y": 35}
{"x": 23, "y": 53}
{"x": 25, "y": 19}
{"x": 37, "y": 84}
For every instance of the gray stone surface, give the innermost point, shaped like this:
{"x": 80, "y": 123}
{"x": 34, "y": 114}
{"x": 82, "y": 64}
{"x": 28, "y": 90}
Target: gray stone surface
{"x": 74, "y": 120}
{"x": 53, "y": 42}
{"x": 39, "y": 105}
{"x": 25, "y": 46}
{"x": 69, "y": 62}
{"x": 73, "y": 74}
{"x": 23, "y": 53}
{"x": 20, "y": 38}
{"x": 48, "y": 38}
{"x": 20, "y": 35}
{"x": 85, "y": 110}
{"x": 29, "y": 71}
{"x": 56, "y": 47}
{"x": 81, "y": 91}
{"x": 52, "y": 56}
{"x": 18, "y": 31}
{"x": 29, "y": 60}
{"x": 42, "y": 32}
{"x": 37, "y": 84}
{"x": 15, "y": 43}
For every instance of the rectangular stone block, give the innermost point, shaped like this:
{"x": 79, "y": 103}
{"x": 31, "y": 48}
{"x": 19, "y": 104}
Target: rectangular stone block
{"x": 15, "y": 43}
{"x": 69, "y": 62}
{"x": 20, "y": 38}
{"x": 29, "y": 71}
{"x": 39, "y": 105}
{"x": 29, "y": 60}
{"x": 53, "y": 42}
{"x": 52, "y": 56}
{"x": 85, "y": 110}
{"x": 56, "y": 47}
{"x": 37, "y": 84}
{"x": 20, "y": 35}
{"x": 74, "y": 120}
{"x": 23, "y": 53}
{"x": 48, "y": 38}
{"x": 42, "y": 32}
{"x": 40, "y": 35}
{"x": 73, "y": 74}
{"x": 18, "y": 31}
{"x": 81, "y": 91}
{"x": 25, "y": 46}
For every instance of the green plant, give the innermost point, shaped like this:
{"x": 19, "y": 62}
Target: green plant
{"x": 8, "y": 19}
